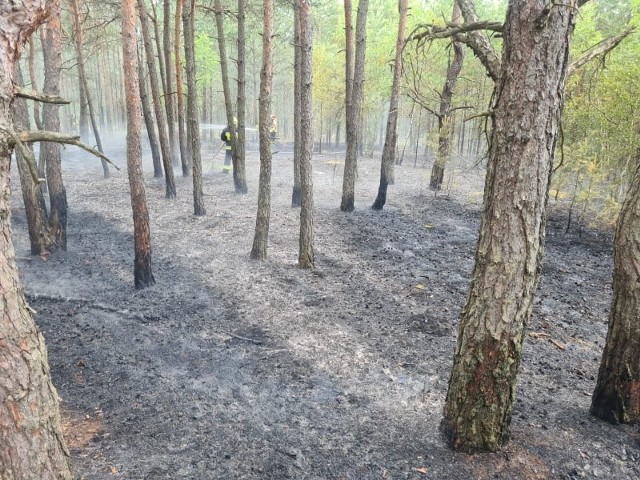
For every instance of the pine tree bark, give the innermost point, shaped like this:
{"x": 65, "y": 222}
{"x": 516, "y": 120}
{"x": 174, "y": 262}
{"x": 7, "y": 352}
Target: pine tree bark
{"x": 526, "y": 116}
{"x": 306, "y": 258}
{"x": 185, "y": 157}
{"x": 353, "y": 105}
{"x": 149, "y": 122}
{"x": 193, "y": 125}
{"x": 170, "y": 182}
{"x": 296, "y": 195}
{"x": 239, "y": 169}
{"x": 263, "y": 216}
{"x": 52, "y": 52}
{"x": 170, "y": 104}
{"x": 40, "y": 237}
{"x": 445, "y": 119}
{"x": 391, "y": 135}
{"x": 30, "y": 427}
{"x": 142, "y": 274}
{"x": 616, "y": 397}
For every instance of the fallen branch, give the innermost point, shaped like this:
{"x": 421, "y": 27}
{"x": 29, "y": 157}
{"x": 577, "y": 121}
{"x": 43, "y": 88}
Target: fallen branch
{"x": 39, "y": 97}
{"x": 599, "y": 50}
{"x": 246, "y": 339}
{"x": 57, "y": 137}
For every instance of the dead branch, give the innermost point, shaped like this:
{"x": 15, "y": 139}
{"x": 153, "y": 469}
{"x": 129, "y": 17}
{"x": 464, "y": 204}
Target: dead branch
{"x": 26, "y": 153}
{"x": 599, "y": 50}
{"x": 56, "y": 137}
{"x": 450, "y": 30}
{"x": 39, "y": 97}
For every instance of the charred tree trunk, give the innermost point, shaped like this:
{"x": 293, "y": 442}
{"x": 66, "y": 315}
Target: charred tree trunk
{"x": 239, "y": 170}
{"x": 193, "y": 125}
{"x": 445, "y": 120}
{"x": 185, "y": 157}
{"x": 155, "y": 93}
{"x": 526, "y": 115}
{"x": 30, "y": 426}
{"x": 391, "y": 136}
{"x": 353, "y": 106}
{"x": 52, "y": 51}
{"x": 40, "y": 237}
{"x": 149, "y": 122}
{"x": 616, "y": 397}
{"x": 143, "y": 276}
{"x": 296, "y": 195}
{"x": 261, "y": 236}
{"x": 306, "y": 256}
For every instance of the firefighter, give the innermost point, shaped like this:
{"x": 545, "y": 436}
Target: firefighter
{"x": 225, "y": 136}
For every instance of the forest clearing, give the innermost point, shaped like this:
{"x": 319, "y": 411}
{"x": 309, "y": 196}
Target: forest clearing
{"x": 234, "y": 368}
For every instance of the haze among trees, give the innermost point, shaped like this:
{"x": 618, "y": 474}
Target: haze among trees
{"x": 543, "y": 95}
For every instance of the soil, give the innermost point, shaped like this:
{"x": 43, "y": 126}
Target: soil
{"x": 230, "y": 368}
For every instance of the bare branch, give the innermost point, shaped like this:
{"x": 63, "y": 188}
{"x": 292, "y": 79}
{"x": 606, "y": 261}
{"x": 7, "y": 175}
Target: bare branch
{"x": 45, "y": 136}
{"x": 39, "y": 97}
{"x": 26, "y": 153}
{"x": 432, "y": 32}
{"x": 599, "y": 50}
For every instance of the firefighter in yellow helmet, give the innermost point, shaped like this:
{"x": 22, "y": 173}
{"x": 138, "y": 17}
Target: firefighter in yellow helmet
{"x": 225, "y": 136}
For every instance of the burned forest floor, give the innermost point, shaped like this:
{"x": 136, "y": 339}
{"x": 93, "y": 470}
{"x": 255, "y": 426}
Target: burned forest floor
{"x": 231, "y": 368}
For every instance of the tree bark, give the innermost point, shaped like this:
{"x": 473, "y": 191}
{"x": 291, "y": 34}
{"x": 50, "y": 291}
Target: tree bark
{"x": 526, "y": 115}
{"x": 616, "y": 397}
{"x": 170, "y": 78}
{"x": 261, "y": 236}
{"x": 185, "y": 157}
{"x": 143, "y": 276}
{"x": 193, "y": 125}
{"x": 445, "y": 119}
{"x": 239, "y": 170}
{"x": 391, "y": 136}
{"x": 30, "y": 427}
{"x": 155, "y": 93}
{"x": 40, "y": 237}
{"x": 52, "y": 52}
{"x": 296, "y": 195}
{"x": 306, "y": 256}
{"x": 149, "y": 122}
{"x": 353, "y": 105}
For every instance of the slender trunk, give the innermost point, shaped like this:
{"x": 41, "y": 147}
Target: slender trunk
{"x": 155, "y": 93}
{"x": 353, "y": 105}
{"x": 40, "y": 237}
{"x": 261, "y": 236}
{"x": 239, "y": 170}
{"x": 149, "y": 120}
{"x": 193, "y": 125}
{"x": 169, "y": 102}
{"x": 185, "y": 157}
{"x": 296, "y": 195}
{"x": 391, "y": 136}
{"x": 526, "y": 115}
{"x": 158, "y": 46}
{"x": 52, "y": 51}
{"x": 143, "y": 277}
{"x": 306, "y": 257}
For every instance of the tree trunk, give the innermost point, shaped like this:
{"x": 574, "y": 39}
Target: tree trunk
{"x": 353, "y": 103}
{"x": 526, "y": 115}
{"x": 79, "y": 45}
{"x": 261, "y": 236}
{"x": 170, "y": 78}
{"x": 193, "y": 125}
{"x": 391, "y": 136}
{"x": 616, "y": 397}
{"x": 30, "y": 427}
{"x": 305, "y": 255}
{"x": 226, "y": 89}
{"x": 40, "y": 237}
{"x": 155, "y": 93}
{"x": 239, "y": 170}
{"x": 185, "y": 157}
{"x": 147, "y": 114}
{"x": 158, "y": 47}
{"x": 143, "y": 277}
{"x": 296, "y": 195}
{"x": 445, "y": 120}
{"x": 52, "y": 52}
